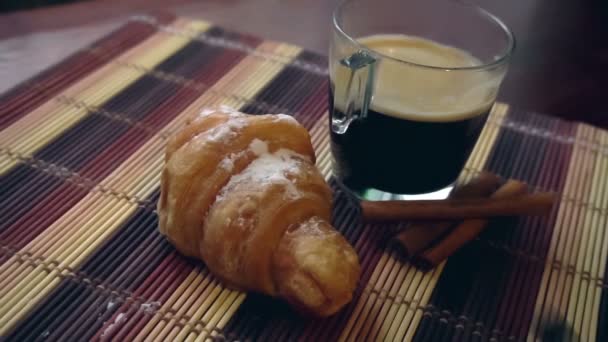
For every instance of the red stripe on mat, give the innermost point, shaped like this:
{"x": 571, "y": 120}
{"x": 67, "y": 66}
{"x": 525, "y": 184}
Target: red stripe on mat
{"x": 34, "y": 92}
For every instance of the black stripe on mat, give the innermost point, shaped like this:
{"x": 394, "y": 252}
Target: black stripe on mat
{"x": 471, "y": 286}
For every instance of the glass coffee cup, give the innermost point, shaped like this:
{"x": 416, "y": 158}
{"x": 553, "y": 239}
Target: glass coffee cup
{"x": 411, "y": 86}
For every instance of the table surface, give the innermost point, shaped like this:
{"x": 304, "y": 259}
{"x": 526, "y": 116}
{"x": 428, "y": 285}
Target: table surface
{"x": 560, "y": 66}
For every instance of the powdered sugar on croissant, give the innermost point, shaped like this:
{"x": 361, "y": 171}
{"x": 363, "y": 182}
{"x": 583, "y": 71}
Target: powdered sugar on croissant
{"x": 242, "y": 193}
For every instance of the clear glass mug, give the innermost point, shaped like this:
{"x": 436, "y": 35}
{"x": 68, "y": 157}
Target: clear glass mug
{"x": 411, "y": 86}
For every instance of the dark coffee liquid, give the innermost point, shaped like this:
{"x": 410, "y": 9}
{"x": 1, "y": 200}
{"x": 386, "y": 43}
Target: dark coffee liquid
{"x": 401, "y": 155}
{"x": 422, "y": 123}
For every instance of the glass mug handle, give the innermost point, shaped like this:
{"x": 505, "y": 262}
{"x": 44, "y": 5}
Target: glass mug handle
{"x": 357, "y": 92}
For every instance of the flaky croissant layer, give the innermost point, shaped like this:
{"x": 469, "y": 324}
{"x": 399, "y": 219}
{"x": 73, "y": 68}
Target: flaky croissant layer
{"x": 241, "y": 192}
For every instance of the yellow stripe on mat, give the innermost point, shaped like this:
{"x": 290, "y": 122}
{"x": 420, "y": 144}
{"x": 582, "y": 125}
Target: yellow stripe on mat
{"x": 577, "y": 243}
{"x": 319, "y": 135}
{"x": 601, "y": 242}
{"x": 75, "y": 235}
{"x": 51, "y": 118}
{"x": 390, "y": 306}
{"x": 582, "y": 253}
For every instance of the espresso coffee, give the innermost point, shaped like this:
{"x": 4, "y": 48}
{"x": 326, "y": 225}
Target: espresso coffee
{"x": 422, "y": 123}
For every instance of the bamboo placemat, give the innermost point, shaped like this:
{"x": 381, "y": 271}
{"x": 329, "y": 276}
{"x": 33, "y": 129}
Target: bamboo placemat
{"x": 81, "y": 148}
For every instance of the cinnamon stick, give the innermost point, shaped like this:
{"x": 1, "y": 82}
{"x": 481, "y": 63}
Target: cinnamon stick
{"x": 454, "y": 209}
{"x": 418, "y": 236}
{"x": 467, "y": 230}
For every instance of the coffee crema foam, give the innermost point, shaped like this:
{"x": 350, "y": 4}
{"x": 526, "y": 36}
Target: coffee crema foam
{"x": 419, "y": 93}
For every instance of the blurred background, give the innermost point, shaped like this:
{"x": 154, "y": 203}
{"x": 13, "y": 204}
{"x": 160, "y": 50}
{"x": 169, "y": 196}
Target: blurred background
{"x": 560, "y": 66}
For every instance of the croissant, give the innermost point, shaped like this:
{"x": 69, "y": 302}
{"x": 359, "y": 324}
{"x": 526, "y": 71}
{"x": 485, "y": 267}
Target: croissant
{"x": 241, "y": 192}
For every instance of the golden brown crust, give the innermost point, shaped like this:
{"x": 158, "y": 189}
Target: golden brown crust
{"x": 232, "y": 186}
{"x": 192, "y": 179}
{"x": 316, "y": 268}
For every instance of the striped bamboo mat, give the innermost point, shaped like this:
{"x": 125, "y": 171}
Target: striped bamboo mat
{"x": 81, "y": 148}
